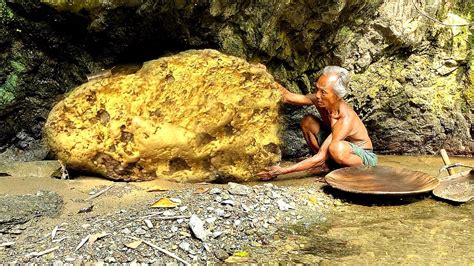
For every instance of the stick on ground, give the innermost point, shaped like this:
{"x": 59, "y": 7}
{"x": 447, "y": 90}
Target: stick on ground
{"x": 99, "y": 193}
{"x": 39, "y": 254}
{"x": 174, "y": 256}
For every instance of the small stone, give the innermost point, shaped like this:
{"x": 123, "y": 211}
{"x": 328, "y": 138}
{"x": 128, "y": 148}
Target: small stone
{"x": 217, "y": 234}
{"x": 221, "y": 254}
{"x": 140, "y": 231}
{"x": 126, "y": 231}
{"x": 197, "y": 227}
{"x": 176, "y": 200}
{"x": 245, "y": 207}
{"x": 92, "y": 192}
{"x": 272, "y": 220}
{"x": 185, "y": 234}
{"x": 255, "y": 244}
{"x": 215, "y": 190}
{"x": 228, "y": 202}
{"x": 174, "y": 229}
{"x": 220, "y": 212}
{"x": 184, "y": 246}
{"x": 211, "y": 220}
{"x": 180, "y": 221}
{"x": 268, "y": 185}
{"x": 209, "y": 208}
{"x": 225, "y": 196}
{"x": 148, "y": 223}
{"x": 58, "y": 263}
{"x": 69, "y": 259}
{"x": 169, "y": 213}
{"x": 283, "y": 206}
{"x": 85, "y": 226}
{"x": 274, "y": 195}
{"x": 218, "y": 198}
{"x": 311, "y": 191}
{"x": 109, "y": 259}
{"x": 237, "y": 222}
{"x": 183, "y": 208}
{"x": 238, "y": 189}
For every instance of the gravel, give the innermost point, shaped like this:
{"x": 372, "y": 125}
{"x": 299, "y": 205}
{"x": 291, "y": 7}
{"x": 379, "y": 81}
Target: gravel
{"x": 204, "y": 227}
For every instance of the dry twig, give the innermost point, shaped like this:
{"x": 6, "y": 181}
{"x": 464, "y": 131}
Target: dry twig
{"x": 161, "y": 249}
{"x": 41, "y": 253}
{"x": 99, "y": 193}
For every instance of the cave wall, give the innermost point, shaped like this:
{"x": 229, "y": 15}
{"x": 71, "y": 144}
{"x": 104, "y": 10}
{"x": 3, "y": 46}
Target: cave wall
{"x": 410, "y": 76}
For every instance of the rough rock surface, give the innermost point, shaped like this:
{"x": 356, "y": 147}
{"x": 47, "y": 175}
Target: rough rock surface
{"x": 195, "y": 116}
{"x": 401, "y": 55}
{"x": 19, "y": 209}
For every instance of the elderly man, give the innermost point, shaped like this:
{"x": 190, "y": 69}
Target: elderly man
{"x": 339, "y": 135}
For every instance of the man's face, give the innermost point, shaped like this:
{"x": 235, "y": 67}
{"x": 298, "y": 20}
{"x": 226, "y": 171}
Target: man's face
{"x": 325, "y": 95}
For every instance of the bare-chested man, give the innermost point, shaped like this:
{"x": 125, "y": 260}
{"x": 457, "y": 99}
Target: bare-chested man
{"x": 340, "y": 136}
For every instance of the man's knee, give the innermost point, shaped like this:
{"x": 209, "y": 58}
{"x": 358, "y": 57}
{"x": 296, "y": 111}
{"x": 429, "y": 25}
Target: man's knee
{"x": 338, "y": 151}
{"x": 309, "y": 121}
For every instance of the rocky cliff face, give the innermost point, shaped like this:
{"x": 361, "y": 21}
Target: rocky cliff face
{"x": 410, "y": 75}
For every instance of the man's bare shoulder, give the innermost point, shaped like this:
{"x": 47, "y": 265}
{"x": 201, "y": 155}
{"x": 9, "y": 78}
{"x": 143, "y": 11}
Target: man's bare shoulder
{"x": 346, "y": 110}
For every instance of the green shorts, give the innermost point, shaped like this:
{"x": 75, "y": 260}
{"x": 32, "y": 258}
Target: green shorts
{"x": 368, "y": 156}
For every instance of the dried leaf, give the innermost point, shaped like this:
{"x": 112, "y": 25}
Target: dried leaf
{"x": 134, "y": 244}
{"x": 83, "y": 241}
{"x": 158, "y": 188}
{"x": 201, "y": 190}
{"x": 164, "y": 203}
{"x": 241, "y": 253}
{"x": 95, "y": 237}
{"x": 53, "y": 233}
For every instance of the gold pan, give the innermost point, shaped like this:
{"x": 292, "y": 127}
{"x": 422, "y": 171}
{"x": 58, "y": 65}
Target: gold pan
{"x": 381, "y": 180}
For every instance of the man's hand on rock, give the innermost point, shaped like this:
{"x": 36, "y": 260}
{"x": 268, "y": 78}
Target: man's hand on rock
{"x": 271, "y": 172}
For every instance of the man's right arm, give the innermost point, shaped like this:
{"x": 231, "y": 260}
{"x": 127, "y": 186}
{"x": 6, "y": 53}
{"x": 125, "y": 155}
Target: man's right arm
{"x": 294, "y": 98}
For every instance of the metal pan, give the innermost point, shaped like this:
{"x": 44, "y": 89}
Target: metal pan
{"x": 381, "y": 180}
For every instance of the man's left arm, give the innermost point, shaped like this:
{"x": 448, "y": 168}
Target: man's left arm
{"x": 340, "y": 131}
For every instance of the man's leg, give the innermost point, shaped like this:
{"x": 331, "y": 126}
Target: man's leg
{"x": 311, "y": 125}
{"x": 341, "y": 152}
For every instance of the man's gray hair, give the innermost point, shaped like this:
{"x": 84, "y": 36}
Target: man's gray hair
{"x": 340, "y": 86}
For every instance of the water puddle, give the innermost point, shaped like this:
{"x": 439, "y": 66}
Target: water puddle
{"x": 385, "y": 230}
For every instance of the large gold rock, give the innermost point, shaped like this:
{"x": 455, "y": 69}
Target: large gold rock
{"x": 195, "y": 116}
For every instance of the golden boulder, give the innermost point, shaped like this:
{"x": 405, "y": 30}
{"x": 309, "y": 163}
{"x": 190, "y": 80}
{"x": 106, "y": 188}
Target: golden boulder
{"x": 199, "y": 115}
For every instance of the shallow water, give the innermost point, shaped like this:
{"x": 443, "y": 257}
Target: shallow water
{"x": 377, "y": 230}
{"x": 356, "y": 230}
